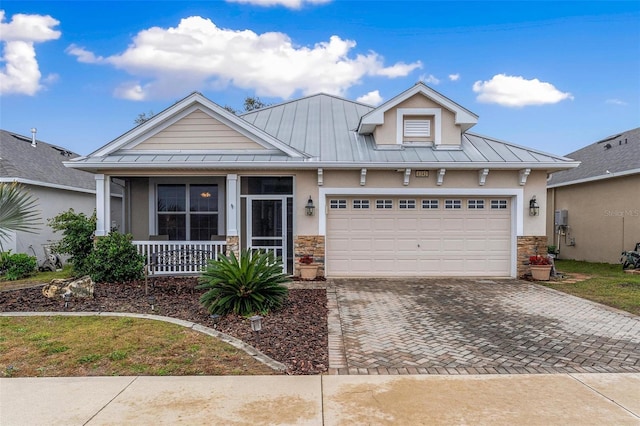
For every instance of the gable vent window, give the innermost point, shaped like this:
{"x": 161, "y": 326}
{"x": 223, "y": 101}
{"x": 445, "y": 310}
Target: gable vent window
{"x": 360, "y": 204}
{"x": 417, "y": 128}
{"x": 384, "y": 204}
{"x": 453, "y": 204}
{"x": 407, "y": 204}
{"x": 475, "y": 204}
{"x": 430, "y": 204}
{"x": 338, "y": 204}
{"x": 498, "y": 204}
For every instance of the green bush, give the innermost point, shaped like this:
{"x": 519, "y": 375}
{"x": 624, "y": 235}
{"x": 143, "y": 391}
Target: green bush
{"x": 18, "y": 266}
{"x": 251, "y": 284}
{"x": 77, "y": 241}
{"x": 115, "y": 259}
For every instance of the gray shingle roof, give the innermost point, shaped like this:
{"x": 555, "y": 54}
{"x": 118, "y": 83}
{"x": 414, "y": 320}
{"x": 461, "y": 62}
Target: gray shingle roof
{"x": 39, "y": 164}
{"x": 616, "y": 154}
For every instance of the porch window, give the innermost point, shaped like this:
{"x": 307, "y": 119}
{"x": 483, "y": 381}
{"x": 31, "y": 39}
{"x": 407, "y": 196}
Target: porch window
{"x": 187, "y": 211}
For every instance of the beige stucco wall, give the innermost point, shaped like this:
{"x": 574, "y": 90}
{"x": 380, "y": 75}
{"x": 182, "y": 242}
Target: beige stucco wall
{"x": 386, "y": 134}
{"x": 306, "y": 184}
{"x": 603, "y": 218}
{"x": 198, "y": 131}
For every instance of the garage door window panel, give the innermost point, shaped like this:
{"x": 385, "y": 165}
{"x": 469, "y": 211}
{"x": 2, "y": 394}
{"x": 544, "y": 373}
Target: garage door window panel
{"x": 360, "y": 204}
{"x": 453, "y": 204}
{"x": 430, "y": 204}
{"x": 384, "y": 204}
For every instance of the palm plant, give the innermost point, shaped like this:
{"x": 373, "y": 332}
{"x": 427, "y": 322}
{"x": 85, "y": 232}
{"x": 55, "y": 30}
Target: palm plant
{"x": 18, "y": 210}
{"x": 245, "y": 286}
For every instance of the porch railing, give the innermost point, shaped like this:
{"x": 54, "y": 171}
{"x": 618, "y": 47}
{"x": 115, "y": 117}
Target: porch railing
{"x": 205, "y": 249}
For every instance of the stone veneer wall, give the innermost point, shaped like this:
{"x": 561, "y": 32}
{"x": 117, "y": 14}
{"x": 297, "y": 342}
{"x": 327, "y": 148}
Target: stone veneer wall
{"x": 312, "y": 245}
{"x": 529, "y": 246}
{"x": 233, "y": 245}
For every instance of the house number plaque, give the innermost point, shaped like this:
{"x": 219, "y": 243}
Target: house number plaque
{"x": 422, "y": 173}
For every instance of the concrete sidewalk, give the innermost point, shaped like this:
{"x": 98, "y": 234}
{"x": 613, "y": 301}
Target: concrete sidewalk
{"x": 566, "y": 399}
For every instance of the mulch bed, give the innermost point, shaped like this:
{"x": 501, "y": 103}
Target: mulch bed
{"x": 295, "y": 335}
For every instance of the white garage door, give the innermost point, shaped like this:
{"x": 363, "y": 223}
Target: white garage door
{"x": 448, "y": 236}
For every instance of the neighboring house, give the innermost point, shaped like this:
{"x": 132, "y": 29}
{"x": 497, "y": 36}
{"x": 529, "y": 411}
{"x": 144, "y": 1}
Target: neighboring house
{"x": 403, "y": 189}
{"x": 598, "y": 203}
{"x": 39, "y": 167}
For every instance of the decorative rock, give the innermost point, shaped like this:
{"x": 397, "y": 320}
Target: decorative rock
{"x": 81, "y": 287}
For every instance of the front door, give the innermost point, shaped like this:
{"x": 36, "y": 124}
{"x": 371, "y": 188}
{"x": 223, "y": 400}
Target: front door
{"x": 267, "y": 225}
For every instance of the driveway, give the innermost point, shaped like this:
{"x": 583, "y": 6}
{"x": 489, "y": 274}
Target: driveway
{"x": 467, "y": 326}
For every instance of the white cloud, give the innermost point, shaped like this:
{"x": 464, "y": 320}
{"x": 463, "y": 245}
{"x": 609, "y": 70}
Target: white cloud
{"x": 515, "y": 91}
{"x": 83, "y": 55}
{"x": 292, "y": 4}
{"x": 371, "y": 98}
{"x": 616, "y": 102}
{"x": 430, "y": 79}
{"x": 21, "y": 73}
{"x": 454, "y": 77}
{"x": 171, "y": 61}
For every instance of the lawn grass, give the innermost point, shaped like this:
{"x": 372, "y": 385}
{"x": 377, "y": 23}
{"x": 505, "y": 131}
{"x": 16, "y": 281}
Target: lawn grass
{"x": 37, "y": 278}
{"x": 58, "y": 346}
{"x": 607, "y": 284}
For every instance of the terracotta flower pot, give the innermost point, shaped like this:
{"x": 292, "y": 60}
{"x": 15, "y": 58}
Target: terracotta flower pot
{"x": 308, "y": 272}
{"x": 541, "y": 272}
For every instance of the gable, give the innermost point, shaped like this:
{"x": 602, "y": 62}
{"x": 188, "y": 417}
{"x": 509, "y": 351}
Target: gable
{"x": 198, "y": 131}
{"x": 418, "y": 116}
{"x": 418, "y": 120}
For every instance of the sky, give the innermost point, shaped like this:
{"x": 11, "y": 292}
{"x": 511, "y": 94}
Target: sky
{"x": 549, "y": 75}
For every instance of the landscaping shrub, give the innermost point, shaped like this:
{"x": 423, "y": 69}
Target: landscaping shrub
{"x": 18, "y": 266}
{"x": 77, "y": 241}
{"x": 245, "y": 286}
{"x": 115, "y": 259}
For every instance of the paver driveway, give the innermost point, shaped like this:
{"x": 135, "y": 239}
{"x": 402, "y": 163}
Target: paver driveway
{"x": 466, "y": 326}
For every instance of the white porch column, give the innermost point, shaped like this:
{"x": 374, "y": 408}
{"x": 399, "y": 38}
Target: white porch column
{"x": 103, "y": 205}
{"x": 233, "y": 210}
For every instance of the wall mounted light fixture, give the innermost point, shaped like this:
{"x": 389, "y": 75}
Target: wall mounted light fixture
{"x": 309, "y": 208}
{"x": 534, "y": 208}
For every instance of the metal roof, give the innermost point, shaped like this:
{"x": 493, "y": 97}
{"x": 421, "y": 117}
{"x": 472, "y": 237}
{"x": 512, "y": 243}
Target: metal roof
{"x": 39, "y": 165}
{"x": 324, "y": 128}
{"x": 612, "y": 156}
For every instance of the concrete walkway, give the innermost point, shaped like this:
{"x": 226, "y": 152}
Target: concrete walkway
{"x": 562, "y": 399}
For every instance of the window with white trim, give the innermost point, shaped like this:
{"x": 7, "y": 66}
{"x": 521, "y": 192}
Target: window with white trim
{"x": 337, "y": 204}
{"x": 407, "y": 204}
{"x": 498, "y": 204}
{"x": 187, "y": 211}
{"x": 430, "y": 204}
{"x": 452, "y": 204}
{"x": 384, "y": 204}
{"x": 475, "y": 204}
{"x": 360, "y": 204}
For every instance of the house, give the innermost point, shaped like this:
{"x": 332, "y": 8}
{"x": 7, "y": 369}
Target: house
{"x": 39, "y": 167}
{"x": 402, "y": 189}
{"x": 593, "y": 211}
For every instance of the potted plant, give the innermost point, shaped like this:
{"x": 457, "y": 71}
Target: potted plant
{"x": 540, "y": 268}
{"x": 308, "y": 270}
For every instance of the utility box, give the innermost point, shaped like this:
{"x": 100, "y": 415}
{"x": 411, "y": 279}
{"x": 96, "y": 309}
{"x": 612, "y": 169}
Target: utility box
{"x": 562, "y": 217}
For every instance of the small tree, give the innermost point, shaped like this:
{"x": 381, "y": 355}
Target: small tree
{"x": 77, "y": 241}
{"x": 115, "y": 259}
{"x": 143, "y": 117}
{"x": 18, "y": 211}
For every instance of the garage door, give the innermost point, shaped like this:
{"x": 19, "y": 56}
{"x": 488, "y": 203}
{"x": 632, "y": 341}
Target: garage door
{"x": 390, "y": 236}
